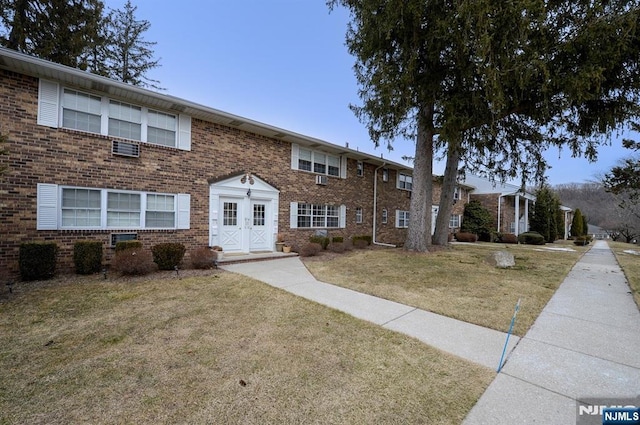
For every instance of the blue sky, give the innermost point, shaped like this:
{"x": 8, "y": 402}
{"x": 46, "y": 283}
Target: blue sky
{"x": 284, "y": 63}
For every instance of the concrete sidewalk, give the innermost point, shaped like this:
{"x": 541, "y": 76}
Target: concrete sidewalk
{"x": 471, "y": 342}
{"x": 585, "y": 344}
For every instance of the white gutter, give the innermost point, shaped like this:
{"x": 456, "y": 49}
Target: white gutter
{"x": 375, "y": 207}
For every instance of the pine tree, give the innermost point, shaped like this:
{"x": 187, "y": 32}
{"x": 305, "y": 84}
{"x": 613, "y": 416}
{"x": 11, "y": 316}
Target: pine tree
{"x": 545, "y": 212}
{"x": 477, "y": 219}
{"x": 577, "y": 224}
{"x": 129, "y": 56}
{"x": 55, "y": 30}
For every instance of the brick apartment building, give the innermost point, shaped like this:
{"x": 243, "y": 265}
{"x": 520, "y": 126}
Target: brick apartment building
{"x": 94, "y": 158}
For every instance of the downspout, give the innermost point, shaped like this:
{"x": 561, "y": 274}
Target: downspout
{"x": 499, "y": 211}
{"x": 375, "y": 207}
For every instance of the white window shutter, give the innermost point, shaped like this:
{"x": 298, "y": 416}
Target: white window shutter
{"x": 343, "y": 167}
{"x": 184, "y": 211}
{"x": 397, "y": 218}
{"x": 295, "y": 153}
{"x": 184, "y": 132}
{"x": 48, "y": 108}
{"x": 343, "y": 216}
{"x": 47, "y": 207}
{"x": 293, "y": 215}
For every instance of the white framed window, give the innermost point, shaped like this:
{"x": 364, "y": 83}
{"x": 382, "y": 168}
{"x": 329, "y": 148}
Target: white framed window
{"x": 316, "y": 162}
{"x": 360, "y": 169}
{"x": 305, "y": 159}
{"x": 456, "y": 194}
{"x": 454, "y": 221}
{"x": 161, "y": 128}
{"x": 310, "y": 216}
{"x": 123, "y": 209}
{"x": 69, "y": 108}
{"x": 81, "y": 111}
{"x": 385, "y": 216}
{"x": 70, "y": 208}
{"x": 402, "y": 219}
{"x": 512, "y": 227}
{"x": 81, "y": 208}
{"x": 318, "y": 216}
{"x": 160, "y": 211}
{"x": 405, "y": 181}
{"x": 359, "y": 215}
{"x": 125, "y": 120}
{"x": 385, "y": 174}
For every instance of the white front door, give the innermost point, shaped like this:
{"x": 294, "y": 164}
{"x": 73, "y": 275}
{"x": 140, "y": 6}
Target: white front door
{"x": 231, "y": 228}
{"x": 243, "y": 214}
{"x": 434, "y": 216}
{"x": 258, "y": 230}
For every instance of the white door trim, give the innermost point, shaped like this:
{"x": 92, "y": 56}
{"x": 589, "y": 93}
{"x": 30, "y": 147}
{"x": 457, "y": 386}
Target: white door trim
{"x": 246, "y": 192}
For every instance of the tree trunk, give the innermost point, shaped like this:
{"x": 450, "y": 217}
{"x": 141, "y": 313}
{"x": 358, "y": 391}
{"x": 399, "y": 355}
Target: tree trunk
{"x": 419, "y": 232}
{"x": 441, "y": 234}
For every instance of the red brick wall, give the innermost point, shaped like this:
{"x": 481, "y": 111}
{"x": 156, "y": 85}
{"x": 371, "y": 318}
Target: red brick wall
{"x": 39, "y": 154}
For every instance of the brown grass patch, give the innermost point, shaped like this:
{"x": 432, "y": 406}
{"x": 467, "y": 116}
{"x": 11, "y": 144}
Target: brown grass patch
{"x": 630, "y": 264}
{"x": 457, "y": 282}
{"x": 213, "y": 347}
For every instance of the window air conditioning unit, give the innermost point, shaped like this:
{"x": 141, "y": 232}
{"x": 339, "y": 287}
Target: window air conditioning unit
{"x": 129, "y": 149}
{"x": 321, "y": 180}
{"x": 119, "y": 237}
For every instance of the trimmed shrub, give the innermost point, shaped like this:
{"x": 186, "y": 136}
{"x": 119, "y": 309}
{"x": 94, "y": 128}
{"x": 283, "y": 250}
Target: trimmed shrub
{"x": 582, "y": 240}
{"x": 168, "y": 255}
{"x": 337, "y": 247}
{"x": 508, "y": 238}
{"x": 123, "y": 245}
{"x": 531, "y": 238}
{"x": 310, "y": 249}
{"x": 337, "y": 239}
{"x": 133, "y": 261}
{"x": 87, "y": 256}
{"x": 37, "y": 260}
{"x": 367, "y": 238}
{"x": 322, "y": 240}
{"x": 203, "y": 258}
{"x": 359, "y": 243}
{"x": 466, "y": 237}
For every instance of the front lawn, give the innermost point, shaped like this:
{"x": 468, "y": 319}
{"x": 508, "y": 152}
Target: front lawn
{"x": 217, "y": 348}
{"x": 457, "y": 281}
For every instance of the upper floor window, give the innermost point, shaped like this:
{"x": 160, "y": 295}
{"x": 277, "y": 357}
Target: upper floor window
{"x": 125, "y": 120}
{"x": 318, "y": 162}
{"x": 385, "y": 216}
{"x": 359, "y": 215}
{"x": 456, "y": 194}
{"x": 69, "y": 108}
{"x": 81, "y": 111}
{"x": 360, "y": 169}
{"x": 405, "y": 181}
{"x": 385, "y": 174}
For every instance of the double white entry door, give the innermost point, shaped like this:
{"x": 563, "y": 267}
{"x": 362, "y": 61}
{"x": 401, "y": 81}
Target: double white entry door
{"x": 244, "y": 225}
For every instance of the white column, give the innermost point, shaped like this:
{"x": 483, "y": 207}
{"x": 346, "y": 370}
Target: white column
{"x": 526, "y": 214}
{"x": 517, "y": 215}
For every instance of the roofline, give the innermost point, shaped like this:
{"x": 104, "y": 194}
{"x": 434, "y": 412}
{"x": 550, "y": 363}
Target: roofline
{"x": 39, "y": 68}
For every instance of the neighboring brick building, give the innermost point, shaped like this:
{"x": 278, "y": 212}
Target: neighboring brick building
{"x": 510, "y": 206}
{"x": 93, "y": 158}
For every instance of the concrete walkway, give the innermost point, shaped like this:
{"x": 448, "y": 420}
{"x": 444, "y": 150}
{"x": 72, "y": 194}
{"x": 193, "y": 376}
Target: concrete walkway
{"x": 471, "y": 342}
{"x": 585, "y": 344}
